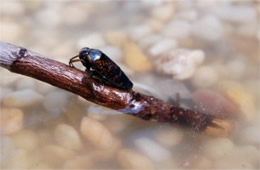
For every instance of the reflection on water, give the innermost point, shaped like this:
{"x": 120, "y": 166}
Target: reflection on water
{"x": 207, "y": 51}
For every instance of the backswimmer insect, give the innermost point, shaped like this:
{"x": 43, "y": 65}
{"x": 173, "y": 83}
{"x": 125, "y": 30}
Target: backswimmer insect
{"x": 102, "y": 67}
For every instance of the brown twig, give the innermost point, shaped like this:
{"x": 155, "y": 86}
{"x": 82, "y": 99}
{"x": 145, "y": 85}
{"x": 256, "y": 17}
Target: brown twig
{"x": 26, "y": 62}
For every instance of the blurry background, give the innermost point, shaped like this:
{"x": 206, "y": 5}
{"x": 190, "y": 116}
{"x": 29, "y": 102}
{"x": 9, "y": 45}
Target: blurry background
{"x": 205, "y": 50}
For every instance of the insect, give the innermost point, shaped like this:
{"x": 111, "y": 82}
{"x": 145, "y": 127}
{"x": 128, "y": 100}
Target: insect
{"x": 102, "y": 67}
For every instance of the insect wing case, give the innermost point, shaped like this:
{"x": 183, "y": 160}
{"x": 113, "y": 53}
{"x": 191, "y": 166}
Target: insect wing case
{"x": 111, "y": 72}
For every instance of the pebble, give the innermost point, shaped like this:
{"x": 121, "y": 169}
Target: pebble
{"x": 162, "y": 46}
{"x": 53, "y": 15}
{"x": 244, "y": 14}
{"x": 98, "y": 113}
{"x": 244, "y": 100}
{"x": 218, "y": 147}
{"x": 97, "y": 134}
{"x": 208, "y": 28}
{"x": 44, "y": 137}
{"x": 164, "y": 12}
{"x": 11, "y": 9}
{"x": 205, "y": 76}
{"x": 116, "y": 38}
{"x": 94, "y": 40}
{"x": 155, "y": 24}
{"x": 44, "y": 88}
{"x": 79, "y": 17}
{"x": 250, "y": 135}
{"x": 139, "y": 32}
{"x": 190, "y": 15}
{"x": 135, "y": 58}
{"x": 180, "y": 63}
{"x": 19, "y": 160}
{"x": 25, "y": 83}
{"x": 80, "y": 162}
{"x": 56, "y": 101}
{"x": 7, "y": 78}
{"x": 237, "y": 68}
{"x": 200, "y": 162}
{"x": 169, "y": 137}
{"x": 6, "y": 150}
{"x": 242, "y": 157}
{"x": 178, "y": 29}
{"x": 4, "y": 92}
{"x": 11, "y": 120}
{"x": 113, "y": 52}
{"x": 66, "y": 136}
{"x": 25, "y": 139}
{"x": 146, "y": 42}
{"x": 212, "y": 102}
{"x": 56, "y": 155}
{"x": 22, "y": 98}
{"x": 129, "y": 159}
{"x": 156, "y": 154}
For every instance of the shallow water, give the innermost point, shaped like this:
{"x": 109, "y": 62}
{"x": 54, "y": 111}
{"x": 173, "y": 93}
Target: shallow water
{"x": 206, "y": 51}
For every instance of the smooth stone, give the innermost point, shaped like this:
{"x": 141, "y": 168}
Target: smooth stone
{"x": 4, "y": 92}
{"x": 96, "y": 133}
{"x": 213, "y": 102}
{"x": 208, "y": 28}
{"x": 190, "y": 15}
{"x": 136, "y": 59}
{"x": 12, "y": 9}
{"x": 19, "y": 160}
{"x": 66, "y": 136}
{"x": 56, "y": 155}
{"x": 244, "y": 14}
{"x": 169, "y": 137}
{"x": 98, "y": 113}
{"x": 139, "y": 32}
{"x": 155, "y": 24}
{"x": 22, "y": 98}
{"x": 80, "y": 15}
{"x": 180, "y": 63}
{"x": 146, "y": 42}
{"x": 156, "y": 154}
{"x": 94, "y": 40}
{"x": 6, "y": 150}
{"x": 25, "y": 83}
{"x": 129, "y": 159}
{"x": 44, "y": 88}
{"x": 205, "y": 76}
{"x": 56, "y": 101}
{"x": 53, "y": 15}
{"x": 116, "y": 38}
{"x": 26, "y": 140}
{"x": 162, "y": 46}
{"x": 11, "y": 120}
{"x": 80, "y": 162}
{"x": 112, "y": 52}
{"x": 178, "y": 29}
{"x": 245, "y": 100}
{"x": 218, "y": 147}
{"x": 8, "y": 79}
{"x": 250, "y": 135}
{"x": 237, "y": 68}
{"x": 164, "y": 12}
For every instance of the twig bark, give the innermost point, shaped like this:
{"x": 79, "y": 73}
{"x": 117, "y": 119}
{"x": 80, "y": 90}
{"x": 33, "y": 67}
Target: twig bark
{"x": 22, "y": 61}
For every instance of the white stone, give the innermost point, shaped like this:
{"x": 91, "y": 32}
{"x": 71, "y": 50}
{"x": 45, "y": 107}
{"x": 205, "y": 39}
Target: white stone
{"x": 236, "y": 13}
{"x": 150, "y": 40}
{"x": 139, "y": 32}
{"x": 250, "y": 135}
{"x": 153, "y": 150}
{"x": 79, "y": 14}
{"x": 3, "y": 92}
{"x": 177, "y": 29}
{"x": 94, "y": 40}
{"x": 6, "y": 149}
{"x": 205, "y": 76}
{"x": 12, "y": 8}
{"x": 219, "y": 147}
{"x": 180, "y": 63}
{"x": 66, "y": 136}
{"x": 26, "y": 140}
{"x": 25, "y": 83}
{"x": 162, "y": 46}
{"x": 56, "y": 101}
{"x": 164, "y": 12}
{"x": 22, "y": 98}
{"x": 191, "y": 15}
{"x": 208, "y": 28}
{"x": 49, "y": 18}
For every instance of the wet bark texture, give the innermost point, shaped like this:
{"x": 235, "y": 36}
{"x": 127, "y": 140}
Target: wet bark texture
{"x": 22, "y": 61}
